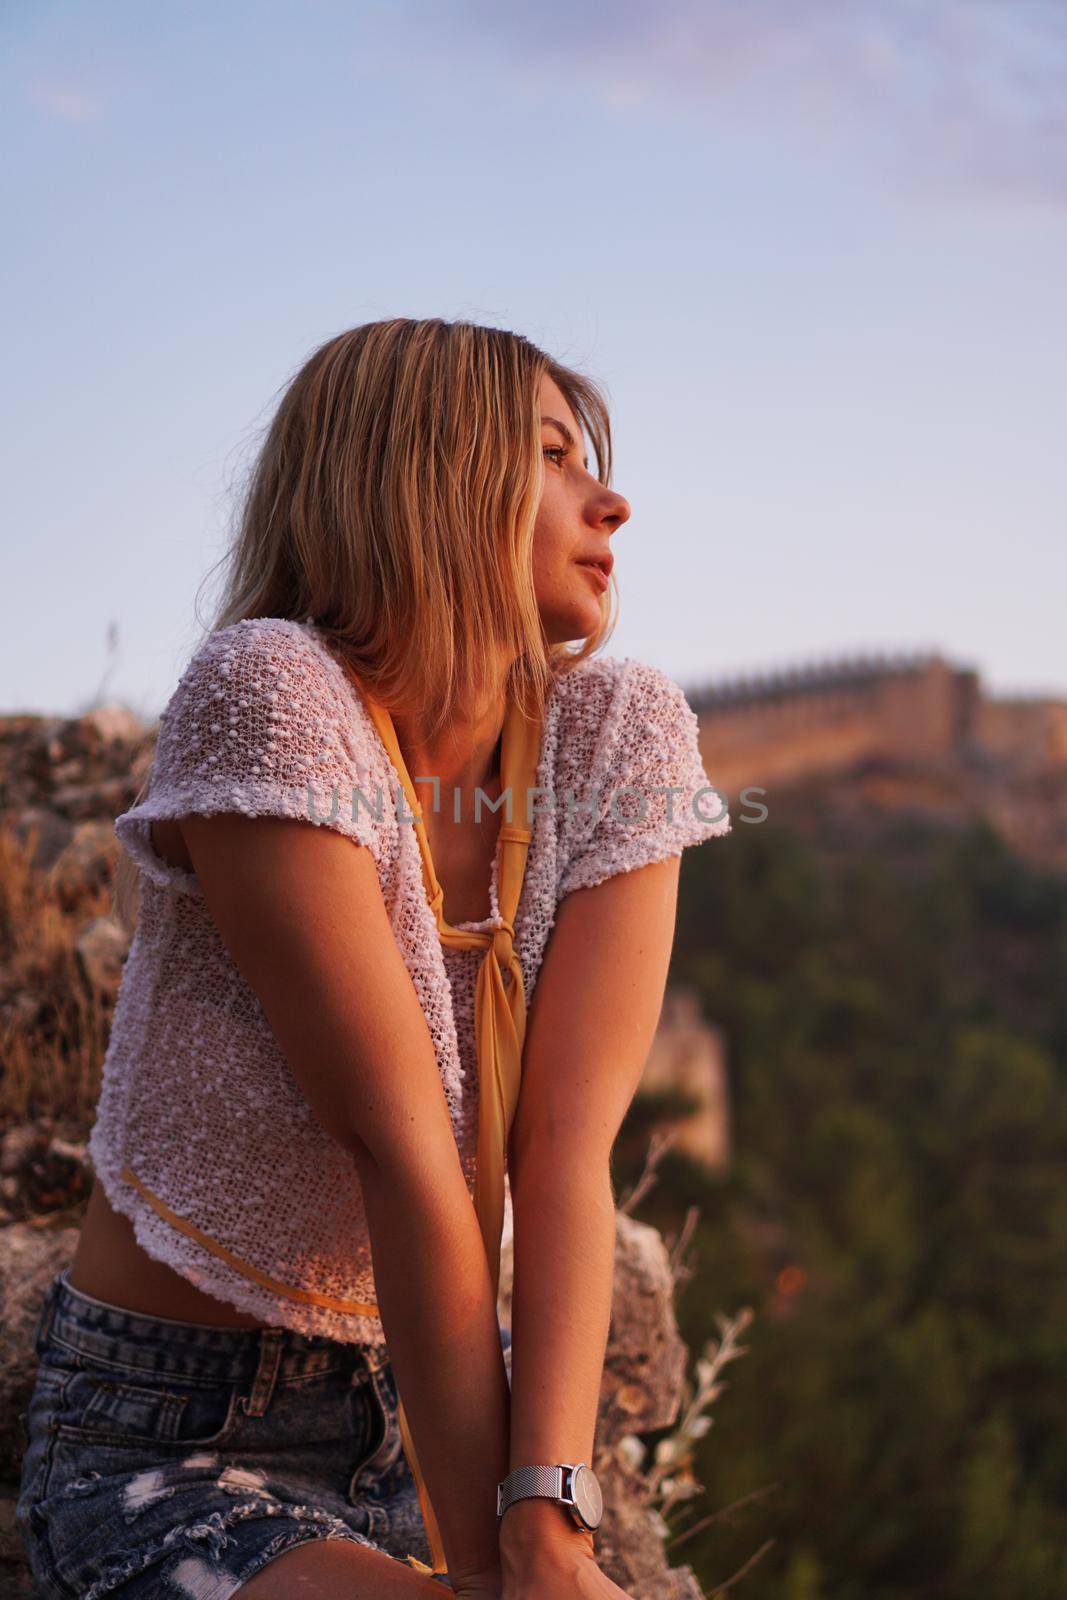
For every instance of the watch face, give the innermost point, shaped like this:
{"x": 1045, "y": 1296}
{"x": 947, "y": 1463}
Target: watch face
{"x": 587, "y": 1496}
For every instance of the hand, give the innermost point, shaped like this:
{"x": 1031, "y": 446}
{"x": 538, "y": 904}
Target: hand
{"x": 561, "y": 1575}
{"x": 478, "y": 1586}
{"x": 545, "y": 1555}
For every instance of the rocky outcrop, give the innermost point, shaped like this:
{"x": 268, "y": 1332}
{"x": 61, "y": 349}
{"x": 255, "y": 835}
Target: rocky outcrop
{"x": 688, "y": 1055}
{"x": 72, "y": 768}
{"x": 29, "y": 1257}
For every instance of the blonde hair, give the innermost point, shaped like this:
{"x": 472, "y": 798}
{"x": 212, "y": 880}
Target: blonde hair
{"x": 393, "y": 499}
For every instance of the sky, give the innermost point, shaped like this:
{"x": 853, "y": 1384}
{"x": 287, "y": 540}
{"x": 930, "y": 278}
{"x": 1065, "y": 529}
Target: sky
{"x": 814, "y": 251}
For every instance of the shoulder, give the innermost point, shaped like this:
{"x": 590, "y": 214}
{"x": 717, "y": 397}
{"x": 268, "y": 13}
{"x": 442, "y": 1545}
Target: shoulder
{"x": 258, "y": 652}
{"x": 599, "y": 679}
{"x": 266, "y": 699}
{"x": 269, "y": 680}
{"x": 610, "y": 704}
{"x": 264, "y": 721}
{"x": 632, "y": 783}
{"x": 655, "y": 704}
{"x": 591, "y": 684}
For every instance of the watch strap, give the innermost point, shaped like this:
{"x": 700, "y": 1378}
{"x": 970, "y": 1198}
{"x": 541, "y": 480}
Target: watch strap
{"x": 541, "y": 1482}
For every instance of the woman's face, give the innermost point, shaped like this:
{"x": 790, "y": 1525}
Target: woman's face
{"x": 575, "y": 521}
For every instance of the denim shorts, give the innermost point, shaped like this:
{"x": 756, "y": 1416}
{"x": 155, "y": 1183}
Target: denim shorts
{"x": 169, "y": 1458}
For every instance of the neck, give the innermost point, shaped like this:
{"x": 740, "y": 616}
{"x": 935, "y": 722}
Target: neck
{"x": 464, "y": 756}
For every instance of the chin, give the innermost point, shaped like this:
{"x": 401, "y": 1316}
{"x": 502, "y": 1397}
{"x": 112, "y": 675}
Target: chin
{"x": 574, "y": 627}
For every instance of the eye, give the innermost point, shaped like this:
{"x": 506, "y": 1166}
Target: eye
{"x": 556, "y": 450}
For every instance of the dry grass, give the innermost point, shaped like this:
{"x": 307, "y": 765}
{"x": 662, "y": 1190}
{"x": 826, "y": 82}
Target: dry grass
{"x": 54, "y": 1026}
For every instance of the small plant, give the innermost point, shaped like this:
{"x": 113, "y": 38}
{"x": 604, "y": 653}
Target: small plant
{"x": 670, "y": 1484}
{"x": 669, "y": 1475}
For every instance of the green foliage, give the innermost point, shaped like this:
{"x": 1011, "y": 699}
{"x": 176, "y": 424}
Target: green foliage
{"x": 896, "y": 1214}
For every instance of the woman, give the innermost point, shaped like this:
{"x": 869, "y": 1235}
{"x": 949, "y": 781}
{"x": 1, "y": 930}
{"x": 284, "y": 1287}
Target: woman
{"x": 324, "y": 1057}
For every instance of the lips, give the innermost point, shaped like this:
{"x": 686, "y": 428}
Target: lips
{"x": 603, "y": 563}
{"x": 596, "y": 570}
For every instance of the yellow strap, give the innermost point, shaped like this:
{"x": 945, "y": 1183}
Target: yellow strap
{"x": 309, "y": 1297}
{"x": 499, "y": 1002}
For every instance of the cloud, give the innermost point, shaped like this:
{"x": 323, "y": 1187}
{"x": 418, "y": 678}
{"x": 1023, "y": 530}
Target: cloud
{"x": 939, "y": 95}
{"x": 65, "y": 101}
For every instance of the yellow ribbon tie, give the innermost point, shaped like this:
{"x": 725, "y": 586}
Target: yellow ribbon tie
{"x": 499, "y": 1005}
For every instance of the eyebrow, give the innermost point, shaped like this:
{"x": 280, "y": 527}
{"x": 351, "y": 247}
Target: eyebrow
{"x": 568, "y": 436}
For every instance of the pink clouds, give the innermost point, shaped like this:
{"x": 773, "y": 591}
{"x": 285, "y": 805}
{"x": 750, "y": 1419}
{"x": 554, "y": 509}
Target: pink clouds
{"x": 937, "y": 95}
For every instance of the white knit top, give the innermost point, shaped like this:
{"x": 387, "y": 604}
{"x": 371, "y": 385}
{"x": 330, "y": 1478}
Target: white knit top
{"x": 198, "y": 1098}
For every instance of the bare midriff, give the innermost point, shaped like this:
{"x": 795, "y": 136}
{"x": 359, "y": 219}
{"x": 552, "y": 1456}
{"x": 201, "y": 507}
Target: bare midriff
{"x": 110, "y": 1265}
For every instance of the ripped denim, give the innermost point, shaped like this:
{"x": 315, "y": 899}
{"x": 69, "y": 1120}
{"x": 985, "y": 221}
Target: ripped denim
{"x": 177, "y": 1459}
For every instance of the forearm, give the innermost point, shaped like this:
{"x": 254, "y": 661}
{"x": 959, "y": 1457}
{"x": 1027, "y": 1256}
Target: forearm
{"x": 440, "y": 1322}
{"x": 564, "y": 1249}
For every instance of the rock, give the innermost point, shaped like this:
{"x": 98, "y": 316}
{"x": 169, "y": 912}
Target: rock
{"x": 114, "y": 723}
{"x": 29, "y": 1258}
{"x": 688, "y": 1055}
{"x": 17, "y": 1146}
{"x": 646, "y": 1355}
{"x": 15, "y": 1580}
{"x": 50, "y": 832}
{"x": 629, "y": 1547}
{"x": 75, "y": 1150}
{"x": 42, "y": 1173}
{"x": 86, "y": 863}
{"x": 76, "y": 767}
{"x": 102, "y": 949}
{"x": 86, "y": 800}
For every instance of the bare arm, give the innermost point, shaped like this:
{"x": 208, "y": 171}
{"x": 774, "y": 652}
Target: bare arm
{"x": 301, "y": 910}
{"x": 593, "y": 1017}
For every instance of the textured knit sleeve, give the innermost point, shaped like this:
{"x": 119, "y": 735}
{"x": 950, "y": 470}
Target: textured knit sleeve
{"x": 655, "y": 797}
{"x": 262, "y": 723}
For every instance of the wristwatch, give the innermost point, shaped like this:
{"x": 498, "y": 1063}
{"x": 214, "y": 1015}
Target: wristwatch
{"x": 575, "y": 1487}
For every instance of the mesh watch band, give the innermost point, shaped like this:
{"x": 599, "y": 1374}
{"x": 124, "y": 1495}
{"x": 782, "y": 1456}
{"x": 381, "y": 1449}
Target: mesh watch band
{"x": 543, "y": 1482}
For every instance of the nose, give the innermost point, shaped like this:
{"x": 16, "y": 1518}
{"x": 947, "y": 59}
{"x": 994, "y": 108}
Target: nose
{"x": 606, "y": 508}
{"x": 617, "y": 512}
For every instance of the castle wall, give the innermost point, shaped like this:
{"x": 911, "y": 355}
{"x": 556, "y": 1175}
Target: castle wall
{"x": 1029, "y": 734}
{"x": 775, "y": 729}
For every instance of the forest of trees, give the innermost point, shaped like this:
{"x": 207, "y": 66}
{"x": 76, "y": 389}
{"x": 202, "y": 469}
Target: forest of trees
{"x": 895, "y": 1213}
